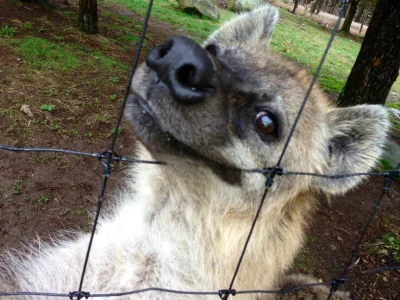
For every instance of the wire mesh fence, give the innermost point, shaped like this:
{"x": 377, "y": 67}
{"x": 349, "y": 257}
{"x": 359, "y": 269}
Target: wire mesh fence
{"x": 107, "y": 158}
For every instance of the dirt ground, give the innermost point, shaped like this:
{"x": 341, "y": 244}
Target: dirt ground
{"x": 41, "y": 194}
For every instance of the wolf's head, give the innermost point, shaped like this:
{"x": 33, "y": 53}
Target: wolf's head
{"x": 231, "y": 104}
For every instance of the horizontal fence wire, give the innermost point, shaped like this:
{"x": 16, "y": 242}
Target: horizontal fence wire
{"x": 108, "y": 157}
{"x": 116, "y": 158}
{"x": 99, "y": 156}
{"x": 203, "y": 293}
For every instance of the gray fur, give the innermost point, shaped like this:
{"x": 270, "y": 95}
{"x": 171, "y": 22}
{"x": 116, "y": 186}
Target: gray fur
{"x": 254, "y": 27}
{"x": 182, "y": 225}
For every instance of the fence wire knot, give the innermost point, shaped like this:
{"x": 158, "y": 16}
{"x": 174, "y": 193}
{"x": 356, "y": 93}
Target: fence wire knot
{"x": 270, "y": 174}
{"x": 106, "y": 159}
{"x": 223, "y": 294}
{"x": 335, "y": 283}
{"x": 389, "y": 178}
{"x": 79, "y": 295}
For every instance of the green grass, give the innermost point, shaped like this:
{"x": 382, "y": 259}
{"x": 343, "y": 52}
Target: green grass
{"x": 105, "y": 62}
{"x": 395, "y": 123}
{"x": 167, "y": 10}
{"x": 47, "y": 107}
{"x": 388, "y": 245}
{"x": 8, "y": 31}
{"x": 304, "y": 41}
{"x": 296, "y": 37}
{"x": 43, "y": 54}
{"x": 130, "y": 38}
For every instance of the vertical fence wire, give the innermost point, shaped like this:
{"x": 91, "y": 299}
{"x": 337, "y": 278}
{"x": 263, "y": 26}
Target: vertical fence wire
{"x": 270, "y": 178}
{"x": 110, "y": 153}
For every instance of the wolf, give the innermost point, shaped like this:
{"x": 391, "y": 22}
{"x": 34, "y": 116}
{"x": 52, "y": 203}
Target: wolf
{"x": 212, "y": 113}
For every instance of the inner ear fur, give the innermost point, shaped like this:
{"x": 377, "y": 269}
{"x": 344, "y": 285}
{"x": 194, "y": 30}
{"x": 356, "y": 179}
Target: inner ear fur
{"x": 357, "y": 135}
{"x": 256, "y": 26}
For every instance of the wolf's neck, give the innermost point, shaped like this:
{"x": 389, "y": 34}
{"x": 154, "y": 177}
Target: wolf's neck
{"x": 208, "y": 222}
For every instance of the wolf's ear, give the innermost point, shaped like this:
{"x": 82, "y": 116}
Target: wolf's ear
{"x": 256, "y": 26}
{"x": 357, "y": 135}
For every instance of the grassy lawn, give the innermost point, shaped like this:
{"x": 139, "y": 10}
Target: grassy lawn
{"x": 72, "y": 77}
{"x": 167, "y": 10}
{"x": 296, "y": 37}
{"x": 304, "y": 41}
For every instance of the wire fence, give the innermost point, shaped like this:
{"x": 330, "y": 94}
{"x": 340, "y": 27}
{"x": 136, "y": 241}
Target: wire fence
{"x": 107, "y": 158}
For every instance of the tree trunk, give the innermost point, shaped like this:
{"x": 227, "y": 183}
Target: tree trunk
{"x": 377, "y": 65}
{"x": 362, "y": 22}
{"x": 333, "y": 6}
{"x": 296, "y": 4}
{"x": 360, "y": 12}
{"x": 88, "y": 16}
{"x": 326, "y": 5}
{"x": 316, "y": 8}
{"x": 350, "y": 16}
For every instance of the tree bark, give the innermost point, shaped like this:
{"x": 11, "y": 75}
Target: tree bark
{"x": 333, "y": 6}
{"x": 377, "y": 65}
{"x": 88, "y": 16}
{"x": 316, "y": 7}
{"x": 296, "y": 4}
{"x": 326, "y": 5}
{"x": 350, "y": 16}
{"x": 362, "y": 21}
{"x": 360, "y": 12}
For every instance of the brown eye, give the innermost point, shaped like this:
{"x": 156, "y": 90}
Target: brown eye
{"x": 265, "y": 122}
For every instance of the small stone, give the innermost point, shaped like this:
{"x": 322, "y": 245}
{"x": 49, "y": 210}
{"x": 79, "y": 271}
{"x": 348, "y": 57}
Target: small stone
{"x": 205, "y": 7}
{"x": 26, "y": 110}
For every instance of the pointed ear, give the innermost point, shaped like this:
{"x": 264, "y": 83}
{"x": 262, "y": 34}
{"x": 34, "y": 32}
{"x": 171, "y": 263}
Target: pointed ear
{"x": 256, "y": 26}
{"x": 357, "y": 135}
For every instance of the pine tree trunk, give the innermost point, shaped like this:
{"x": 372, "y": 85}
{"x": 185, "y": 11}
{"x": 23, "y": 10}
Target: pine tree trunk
{"x": 333, "y": 6}
{"x": 362, "y": 21}
{"x": 88, "y": 16}
{"x": 296, "y": 4}
{"x": 326, "y": 5}
{"x": 377, "y": 65}
{"x": 350, "y": 16}
{"x": 318, "y": 6}
{"x": 360, "y": 12}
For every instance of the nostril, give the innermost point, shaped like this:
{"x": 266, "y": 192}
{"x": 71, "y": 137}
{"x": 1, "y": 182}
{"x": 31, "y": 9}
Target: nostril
{"x": 165, "y": 48}
{"x": 185, "y": 68}
{"x": 185, "y": 76}
{"x": 156, "y": 57}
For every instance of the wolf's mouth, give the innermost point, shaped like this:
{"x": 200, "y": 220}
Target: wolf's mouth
{"x": 171, "y": 145}
{"x": 146, "y": 108}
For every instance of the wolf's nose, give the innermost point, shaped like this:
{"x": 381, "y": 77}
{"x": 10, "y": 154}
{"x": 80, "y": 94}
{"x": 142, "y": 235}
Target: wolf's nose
{"x": 185, "y": 67}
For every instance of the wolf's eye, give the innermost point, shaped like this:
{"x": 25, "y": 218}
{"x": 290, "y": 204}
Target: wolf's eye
{"x": 212, "y": 49}
{"x": 265, "y": 122}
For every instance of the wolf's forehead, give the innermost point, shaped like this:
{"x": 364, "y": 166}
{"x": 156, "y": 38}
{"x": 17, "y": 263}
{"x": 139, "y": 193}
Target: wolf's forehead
{"x": 265, "y": 81}
{"x": 251, "y": 61}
